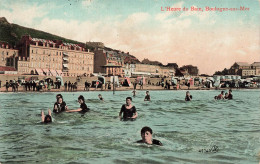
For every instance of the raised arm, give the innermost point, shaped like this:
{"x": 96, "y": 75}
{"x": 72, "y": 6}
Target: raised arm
{"x": 42, "y": 113}
{"x": 49, "y": 112}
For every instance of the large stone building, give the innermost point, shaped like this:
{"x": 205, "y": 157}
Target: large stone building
{"x": 47, "y": 57}
{"x": 152, "y": 70}
{"x": 8, "y": 55}
{"x": 108, "y": 62}
{"x": 244, "y": 69}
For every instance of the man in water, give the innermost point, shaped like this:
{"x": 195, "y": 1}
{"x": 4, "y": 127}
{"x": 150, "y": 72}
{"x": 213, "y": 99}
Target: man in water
{"x": 147, "y": 97}
{"x": 188, "y": 96}
{"x": 100, "y": 97}
{"x": 147, "y": 137}
{"x": 129, "y": 111}
{"x": 83, "y": 107}
{"x": 46, "y": 119}
{"x": 230, "y": 96}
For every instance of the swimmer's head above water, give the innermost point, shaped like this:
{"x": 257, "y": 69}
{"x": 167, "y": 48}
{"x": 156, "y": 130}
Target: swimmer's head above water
{"x": 128, "y": 101}
{"x": 81, "y": 99}
{"x": 47, "y": 119}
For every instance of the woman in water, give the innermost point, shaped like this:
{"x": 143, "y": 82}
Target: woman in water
{"x": 129, "y": 111}
{"x": 59, "y": 106}
{"x": 188, "y": 96}
{"x": 147, "y": 97}
{"x": 83, "y": 107}
{"x": 46, "y": 119}
{"x": 100, "y": 97}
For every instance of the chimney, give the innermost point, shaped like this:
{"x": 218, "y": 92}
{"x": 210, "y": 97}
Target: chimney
{"x": 88, "y": 50}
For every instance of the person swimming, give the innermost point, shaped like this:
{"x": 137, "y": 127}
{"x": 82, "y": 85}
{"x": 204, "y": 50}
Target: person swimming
{"x": 129, "y": 111}
{"x": 188, "y": 96}
{"x": 230, "y": 96}
{"x": 220, "y": 96}
{"x": 100, "y": 97}
{"x": 147, "y": 97}
{"x": 134, "y": 93}
{"x": 226, "y": 96}
{"x": 60, "y": 105}
{"x": 147, "y": 137}
{"x": 83, "y": 107}
{"x": 46, "y": 119}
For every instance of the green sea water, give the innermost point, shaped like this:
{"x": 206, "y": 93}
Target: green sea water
{"x": 186, "y": 129}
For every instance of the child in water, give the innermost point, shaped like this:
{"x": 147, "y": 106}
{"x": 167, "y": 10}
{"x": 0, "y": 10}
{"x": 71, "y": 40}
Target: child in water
{"x": 83, "y": 107}
{"x": 46, "y": 119}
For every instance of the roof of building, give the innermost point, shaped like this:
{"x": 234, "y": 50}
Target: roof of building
{"x": 256, "y": 64}
{"x": 243, "y": 64}
{"x": 56, "y": 42}
{"x": 4, "y": 68}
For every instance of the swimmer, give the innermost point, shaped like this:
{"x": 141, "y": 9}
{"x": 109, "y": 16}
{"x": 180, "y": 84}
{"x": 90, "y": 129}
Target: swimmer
{"x": 226, "y": 96}
{"x": 134, "y": 93}
{"x": 147, "y": 137}
{"x": 221, "y": 96}
{"x": 100, "y": 97}
{"x": 83, "y": 107}
{"x": 147, "y": 97}
{"x": 60, "y": 105}
{"x": 46, "y": 119}
{"x": 230, "y": 96}
{"x": 188, "y": 96}
{"x": 128, "y": 110}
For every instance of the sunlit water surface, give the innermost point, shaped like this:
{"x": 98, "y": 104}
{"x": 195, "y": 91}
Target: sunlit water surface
{"x": 184, "y": 128}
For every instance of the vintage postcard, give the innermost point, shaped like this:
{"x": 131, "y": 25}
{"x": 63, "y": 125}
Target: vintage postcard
{"x": 130, "y": 81}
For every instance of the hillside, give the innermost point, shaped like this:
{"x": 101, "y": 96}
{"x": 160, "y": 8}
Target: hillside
{"x": 12, "y": 33}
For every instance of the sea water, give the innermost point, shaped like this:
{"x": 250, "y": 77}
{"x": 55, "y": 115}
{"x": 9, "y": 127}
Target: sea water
{"x": 188, "y": 130}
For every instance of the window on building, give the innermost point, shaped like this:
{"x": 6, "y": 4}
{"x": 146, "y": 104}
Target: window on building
{"x": 7, "y": 53}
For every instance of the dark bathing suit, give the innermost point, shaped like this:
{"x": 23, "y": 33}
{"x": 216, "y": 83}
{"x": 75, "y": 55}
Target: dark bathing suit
{"x": 187, "y": 98}
{"x": 147, "y": 97}
{"x": 230, "y": 96}
{"x": 155, "y": 142}
{"x": 127, "y": 113}
{"x": 61, "y": 107}
{"x": 84, "y": 108}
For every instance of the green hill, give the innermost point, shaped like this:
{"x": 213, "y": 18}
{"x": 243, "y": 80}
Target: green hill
{"x": 12, "y": 33}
